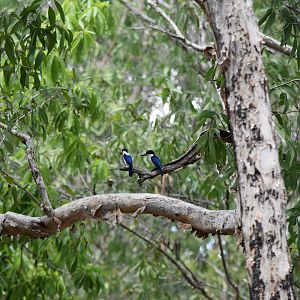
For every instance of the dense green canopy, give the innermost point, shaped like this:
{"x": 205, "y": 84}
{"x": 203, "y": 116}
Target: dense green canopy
{"x": 87, "y": 78}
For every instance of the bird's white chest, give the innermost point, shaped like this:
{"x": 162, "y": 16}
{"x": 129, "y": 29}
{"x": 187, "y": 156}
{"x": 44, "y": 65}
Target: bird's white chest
{"x": 126, "y": 164}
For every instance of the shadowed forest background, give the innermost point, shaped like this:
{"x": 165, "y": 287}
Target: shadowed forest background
{"x": 87, "y": 78}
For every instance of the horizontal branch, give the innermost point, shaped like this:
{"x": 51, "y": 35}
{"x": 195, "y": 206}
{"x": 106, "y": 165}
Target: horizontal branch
{"x": 189, "y": 157}
{"x": 275, "y": 45}
{"x": 265, "y": 39}
{"x": 36, "y": 174}
{"x": 108, "y": 206}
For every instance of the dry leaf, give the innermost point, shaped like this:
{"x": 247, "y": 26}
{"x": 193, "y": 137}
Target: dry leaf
{"x": 184, "y": 226}
{"x": 119, "y": 216}
{"x": 95, "y": 209}
{"x": 113, "y": 218}
{"x": 139, "y": 211}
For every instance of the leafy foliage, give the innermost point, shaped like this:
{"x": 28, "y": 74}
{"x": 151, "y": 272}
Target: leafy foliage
{"x": 84, "y": 80}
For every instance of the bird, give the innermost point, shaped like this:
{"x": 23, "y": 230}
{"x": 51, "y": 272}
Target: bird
{"x": 155, "y": 160}
{"x": 128, "y": 161}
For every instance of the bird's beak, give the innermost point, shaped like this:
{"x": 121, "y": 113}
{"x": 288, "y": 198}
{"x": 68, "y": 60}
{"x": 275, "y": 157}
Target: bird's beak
{"x": 144, "y": 154}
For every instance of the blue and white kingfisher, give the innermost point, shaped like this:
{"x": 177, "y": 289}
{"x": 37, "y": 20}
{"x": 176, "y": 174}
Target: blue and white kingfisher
{"x": 128, "y": 161}
{"x": 155, "y": 160}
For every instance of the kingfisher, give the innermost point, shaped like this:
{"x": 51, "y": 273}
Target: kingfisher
{"x": 128, "y": 161}
{"x": 155, "y": 160}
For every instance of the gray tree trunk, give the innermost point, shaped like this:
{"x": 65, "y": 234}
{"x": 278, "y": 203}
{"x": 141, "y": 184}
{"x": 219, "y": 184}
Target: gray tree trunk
{"x": 262, "y": 191}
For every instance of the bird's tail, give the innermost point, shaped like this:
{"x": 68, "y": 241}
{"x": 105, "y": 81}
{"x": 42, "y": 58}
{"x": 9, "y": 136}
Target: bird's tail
{"x": 130, "y": 171}
{"x": 161, "y": 171}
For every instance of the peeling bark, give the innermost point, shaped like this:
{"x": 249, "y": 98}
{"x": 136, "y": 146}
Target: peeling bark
{"x": 262, "y": 191}
{"x": 108, "y": 206}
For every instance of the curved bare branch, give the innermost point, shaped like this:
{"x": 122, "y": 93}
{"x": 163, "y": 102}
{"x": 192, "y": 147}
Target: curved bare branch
{"x": 176, "y": 34}
{"x": 189, "y": 157}
{"x": 36, "y": 174}
{"x": 111, "y": 206}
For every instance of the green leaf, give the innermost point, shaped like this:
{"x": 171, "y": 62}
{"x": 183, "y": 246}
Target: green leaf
{"x": 7, "y": 72}
{"x": 60, "y": 10}
{"x": 17, "y": 27}
{"x": 284, "y": 100}
{"x": 69, "y": 36}
{"x": 34, "y": 5}
{"x": 51, "y": 41}
{"x": 51, "y": 16}
{"x": 270, "y": 21}
{"x": 207, "y": 114}
{"x": 165, "y": 94}
{"x": 73, "y": 266}
{"x": 9, "y": 49}
{"x": 36, "y": 82}
{"x": 39, "y": 58}
{"x": 79, "y": 49}
{"x": 279, "y": 118}
{"x": 298, "y": 56}
{"x": 266, "y": 15}
{"x": 61, "y": 42}
{"x": 9, "y": 146}
{"x": 55, "y": 68}
{"x": 68, "y": 190}
{"x": 211, "y": 148}
{"x": 210, "y": 74}
{"x": 286, "y": 34}
{"x": 291, "y": 155}
{"x": 43, "y": 116}
{"x": 298, "y": 240}
{"x": 24, "y": 77}
{"x": 8, "y": 179}
{"x": 294, "y": 48}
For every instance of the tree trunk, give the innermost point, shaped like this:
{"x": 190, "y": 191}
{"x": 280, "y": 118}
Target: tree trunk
{"x": 262, "y": 191}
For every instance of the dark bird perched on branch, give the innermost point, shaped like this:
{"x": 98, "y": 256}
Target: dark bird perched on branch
{"x": 128, "y": 161}
{"x": 155, "y": 160}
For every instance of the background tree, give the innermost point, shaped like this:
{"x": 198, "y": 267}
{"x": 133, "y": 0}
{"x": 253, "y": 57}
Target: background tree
{"x": 86, "y": 78}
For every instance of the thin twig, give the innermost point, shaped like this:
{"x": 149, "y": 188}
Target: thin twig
{"x": 21, "y": 188}
{"x": 191, "y": 280}
{"x": 144, "y": 17}
{"x": 178, "y": 36}
{"x": 294, "y": 9}
{"x": 166, "y": 17}
{"x": 284, "y": 83}
{"x": 36, "y": 174}
{"x": 230, "y": 282}
{"x": 17, "y": 119}
{"x": 48, "y": 262}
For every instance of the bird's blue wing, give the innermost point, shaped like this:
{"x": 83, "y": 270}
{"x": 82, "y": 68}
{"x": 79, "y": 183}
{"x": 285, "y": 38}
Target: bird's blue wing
{"x": 156, "y": 161}
{"x": 128, "y": 160}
